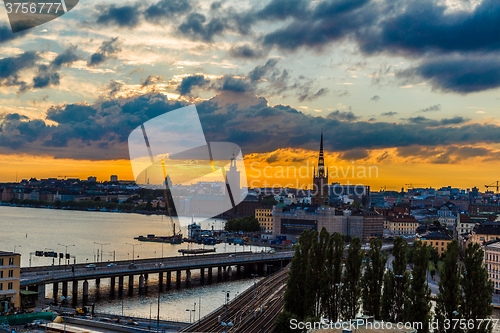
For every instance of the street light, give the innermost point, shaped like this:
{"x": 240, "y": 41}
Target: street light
{"x": 133, "y": 250}
{"x": 227, "y": 299}
{"x": 101, "y": 244}
{"x": 65, "y": 253}
{"x": 65, "y": 299}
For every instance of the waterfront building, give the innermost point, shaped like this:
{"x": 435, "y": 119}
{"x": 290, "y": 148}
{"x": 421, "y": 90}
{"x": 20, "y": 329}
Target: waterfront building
{"x": 10, "y": 277}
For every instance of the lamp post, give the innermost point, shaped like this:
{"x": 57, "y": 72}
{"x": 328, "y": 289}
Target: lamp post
{"x": 133, "y": 250}
{"x": 15, "y": 247}
{"x": 65, "y": 299}
{"x": 53, "y": 273}
{"x": 101, "y": 244}
{"x": 65, "y": 253}
{"x": 226, "y": 292}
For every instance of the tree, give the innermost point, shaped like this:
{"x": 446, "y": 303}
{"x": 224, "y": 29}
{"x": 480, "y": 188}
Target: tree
{"x": 449, "y": 295}
{"x": 351, "y": 292}
{"x": 387, "y": 303}
{"x": 332, "y": 287}
{"x": 418, "y": 306}
{"x": 373, "y": 279}
{"x": 477, "y": 289}
{"x": 247, "y": 224}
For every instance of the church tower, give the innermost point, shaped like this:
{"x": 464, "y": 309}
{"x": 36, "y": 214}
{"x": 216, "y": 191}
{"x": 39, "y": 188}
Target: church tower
{"x": 320, "y": 180}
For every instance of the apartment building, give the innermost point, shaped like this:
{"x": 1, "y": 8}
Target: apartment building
{"x": 10, "y": 276}
{"x": 265, "y": 218}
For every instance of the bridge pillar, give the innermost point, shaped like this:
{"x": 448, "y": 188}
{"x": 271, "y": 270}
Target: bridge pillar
{"x": 146, "y": 276}
{"x": 230, "y": 272}
{"x": 178, "y": 279}
{"x": 224, "y": 275}
{"x": 209, "y": 275}
{"x": 55, "y": 292}
{"x": 160, "y": 281}
{"x": 219, "y": 273}
{"x": 74, "y": 294}
{"x": 97, "y": 289}
{"x": 169, "y": 280}
{"x": 141, "y": 284}
{"x": 41, "y": 293}
{"x": 130, "y": 285}
{"x": 202, "y": 275}
{"x": 112, "y": 287}
{"x": 65, "y": 288}
{"x": 188, "y": 277}
{"x": 120, "y": 286}
{"x": 85, "y": 292}
{"x": 238, "y": 270}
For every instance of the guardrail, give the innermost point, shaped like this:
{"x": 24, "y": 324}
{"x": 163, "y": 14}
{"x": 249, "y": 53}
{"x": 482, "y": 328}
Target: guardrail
{"x": 152, "y": 268}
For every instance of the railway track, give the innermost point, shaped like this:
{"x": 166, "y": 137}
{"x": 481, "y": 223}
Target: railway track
{"x": 253, "y": 311}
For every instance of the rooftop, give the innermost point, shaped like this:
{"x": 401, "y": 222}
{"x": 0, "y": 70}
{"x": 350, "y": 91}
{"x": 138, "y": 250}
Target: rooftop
{"x": 5, "y": 253}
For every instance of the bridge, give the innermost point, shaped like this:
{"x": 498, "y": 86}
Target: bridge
{"x": 225, "y": 264}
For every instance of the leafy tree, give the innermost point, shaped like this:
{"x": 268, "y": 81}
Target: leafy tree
{"x": 418, "y": 305}
{"x": 247, "y": 224}
{"x": 387, "y": 304}
{"x": 283, "y": 322}
{"x": 373, "y": 279}
{"x": 477, "y": 289}
{"x": 269, "y": 200}
{"x": 449, "y": 295}
{"x": 351, "y": 292}
{"x": 332, "y": 287}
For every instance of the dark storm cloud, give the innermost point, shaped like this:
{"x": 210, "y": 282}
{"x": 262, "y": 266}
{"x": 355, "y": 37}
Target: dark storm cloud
{"x": 190, "y": 82}
{"x": 417, "y": 27}
{"x": 234, "y": 84}
{"x": 122, "y": 16}
{"x": 197, "y": 27}
{"x": 84, "y": 131}
{"x": 449, "y": 154}
{"x": 443, "y": 122}
{"x": 107, "y": 50}
{"x": 389, "y": 114}
{"x": 6, "y": 33}
{"x": 48, "y": 75}
{"x": 355, "y": 154}
{"x": 11, "y": 67}
{"x": 458, "y": 74}
{"x": 167, "y": 9}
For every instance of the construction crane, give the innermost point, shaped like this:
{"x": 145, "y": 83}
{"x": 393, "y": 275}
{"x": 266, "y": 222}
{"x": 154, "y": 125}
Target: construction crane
{"x": 412, "y": 186}
{"x": 497, "y": 186}
{"x": 66, "y": 177}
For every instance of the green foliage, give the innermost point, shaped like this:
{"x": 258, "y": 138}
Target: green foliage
{"x": 351, "y": 292}
{"x": 373, "y": 279}
{"x": 396, "y": 284}
{"x": 477, "y": 288}
{"x": 448, "y": 297}
{"x": 269, "y": 200}
{"x": 418, "y": 305}
{"x": 434, "y": 255}
{"x": 283, "y": 322}
{"x": 246, "y": 224}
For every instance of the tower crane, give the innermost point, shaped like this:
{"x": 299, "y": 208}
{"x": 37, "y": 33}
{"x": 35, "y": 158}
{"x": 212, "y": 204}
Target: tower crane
{"x": 494, "y": 185}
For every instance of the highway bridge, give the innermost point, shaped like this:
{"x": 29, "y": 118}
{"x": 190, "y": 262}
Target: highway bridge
{"x": 224, "y": 264}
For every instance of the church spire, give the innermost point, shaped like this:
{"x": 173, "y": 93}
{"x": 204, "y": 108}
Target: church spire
{"x": 321, "y": 160}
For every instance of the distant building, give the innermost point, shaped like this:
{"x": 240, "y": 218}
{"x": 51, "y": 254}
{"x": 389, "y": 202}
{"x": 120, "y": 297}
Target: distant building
{"x": 448, "y": 215}
{"x": 320, "y": 180}
{"x": 10, "y": 276}
{"x": 359, "y": 193}
{"x": 483, "y": 208}
{"x": 492, "y": 262}
{"x": 93, "y": 179}
{"x": 436, "y": 239}
{"x": 265, "y": 218}
{"x": 485, "y": 232}
{"x": 113, "y": 178}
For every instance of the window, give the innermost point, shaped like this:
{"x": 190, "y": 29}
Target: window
{"x": 11, "y": 261}
{"x": 11, "y": 273}
{"x": 1, "y": 286}
{"x": 1, "y": 261}
{"x": 10, "y": 285}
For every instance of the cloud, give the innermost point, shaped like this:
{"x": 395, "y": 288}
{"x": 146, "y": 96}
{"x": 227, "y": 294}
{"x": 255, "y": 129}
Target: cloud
{"x": 234, "y": 84}
{"x": 443, "y": 122}
{"x": 196, "y": 27}
{"x": 460, "y": 75}
{"x": 48, "y": 75}
{"x": 189, "y": 82}
{"x": 388, "y": 114}
{"x": 151, "y": 79}
{"x": 431, "y": 108}
{"x": 107, "y": 50}
{"x": 312, "y": 96}
{"x": 122, "y": 16}
{"x": 6, "y": 33}
{"x": 167, "y": 9}
{"x": 342, "y": 116}
{"x": 375, "y": 98}
{"x": 100, "y": 130}
{"x": 355, "y": 154}
{"x": 11, "y": 68}
{"x": 246, "y": 51}
{"x": 258, "y": 72}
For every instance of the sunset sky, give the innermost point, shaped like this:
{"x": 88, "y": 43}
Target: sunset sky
{"x": 407, "y": 87}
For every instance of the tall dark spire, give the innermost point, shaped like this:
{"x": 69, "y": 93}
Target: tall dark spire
{"x": 321, "y": 160}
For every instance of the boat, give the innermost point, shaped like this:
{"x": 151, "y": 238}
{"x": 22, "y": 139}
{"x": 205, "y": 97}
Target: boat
{"x": 177, "y": 239}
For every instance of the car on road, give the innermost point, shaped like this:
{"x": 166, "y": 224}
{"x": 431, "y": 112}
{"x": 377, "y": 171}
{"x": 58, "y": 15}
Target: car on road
{"x": 112, "y": 265}
{"x": 131, "y": 322}
{"x": 132, "y": 266}
{"x": 90, "y": 266}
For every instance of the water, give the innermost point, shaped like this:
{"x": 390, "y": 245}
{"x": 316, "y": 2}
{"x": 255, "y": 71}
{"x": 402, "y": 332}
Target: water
{"x": 36, "y": 229}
